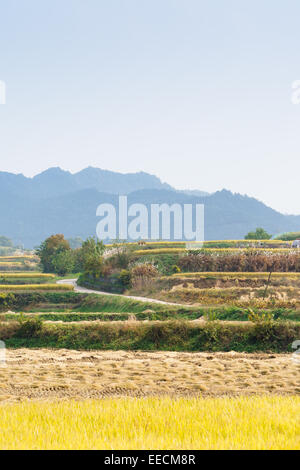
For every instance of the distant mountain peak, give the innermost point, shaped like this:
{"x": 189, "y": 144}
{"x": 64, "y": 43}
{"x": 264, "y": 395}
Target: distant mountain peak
{"x": 55, "y": 171}
{"x": 57, "y": 201}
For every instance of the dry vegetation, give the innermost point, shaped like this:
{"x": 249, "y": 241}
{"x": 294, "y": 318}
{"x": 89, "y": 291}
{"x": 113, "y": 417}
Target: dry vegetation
{"x": 243, "y": 261}
{"x": 47, "y": 374}
{"x": 240, "y": 296}
{"x": 241, "y": 291}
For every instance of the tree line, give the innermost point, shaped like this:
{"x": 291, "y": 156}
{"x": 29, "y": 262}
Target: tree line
{"x": 57, "y": 256}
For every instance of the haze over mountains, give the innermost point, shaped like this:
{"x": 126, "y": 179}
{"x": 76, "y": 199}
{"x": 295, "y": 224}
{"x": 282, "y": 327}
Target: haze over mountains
{"x": 57, "y": 201}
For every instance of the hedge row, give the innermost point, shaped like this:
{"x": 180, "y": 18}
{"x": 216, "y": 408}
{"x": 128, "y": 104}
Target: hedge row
{"x": 167, "y": 336}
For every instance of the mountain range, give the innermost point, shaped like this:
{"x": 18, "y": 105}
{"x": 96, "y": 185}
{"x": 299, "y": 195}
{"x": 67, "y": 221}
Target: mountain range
{"x": 57, "y": 201}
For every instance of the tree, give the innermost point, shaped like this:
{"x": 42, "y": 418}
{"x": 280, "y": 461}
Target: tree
{"x": 259, "y": 234}
{"x": 289, "y": 236}
{"x": 93, "y": 266}
{"x": 91, "y": 256}
{"x": 49, "y": 250}
{"x": 92, "y": 247}
{"x": 63, "y": 262}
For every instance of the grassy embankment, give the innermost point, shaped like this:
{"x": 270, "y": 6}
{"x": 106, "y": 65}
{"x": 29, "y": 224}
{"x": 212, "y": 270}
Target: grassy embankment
{"x": 71, "y": 306}
{"x": 156, "y": 336}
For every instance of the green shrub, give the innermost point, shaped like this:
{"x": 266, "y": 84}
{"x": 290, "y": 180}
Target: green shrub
{"x": 289, "y": 236}
{"x": 260, "y": 317}
{"x": 112, "y": 283}
{"x": 30, "y": 328}
{"x": 259, "y": 234}
{"x": 125, "y": 278}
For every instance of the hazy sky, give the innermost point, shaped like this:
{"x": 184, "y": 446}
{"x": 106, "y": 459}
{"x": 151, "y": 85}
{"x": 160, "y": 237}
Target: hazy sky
{"x": 196, "y": 92}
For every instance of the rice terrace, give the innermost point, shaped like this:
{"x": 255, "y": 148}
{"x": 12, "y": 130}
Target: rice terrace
{"x": 152, "y": 326}
{"x": 149, "y": 229}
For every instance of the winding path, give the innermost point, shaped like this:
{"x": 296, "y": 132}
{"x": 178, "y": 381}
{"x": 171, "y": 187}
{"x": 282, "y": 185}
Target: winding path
{"x": 84, "y": 290}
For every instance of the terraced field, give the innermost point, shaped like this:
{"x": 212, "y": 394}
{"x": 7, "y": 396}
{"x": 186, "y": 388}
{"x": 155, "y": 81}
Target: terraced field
{"x": 24, "y": 263}
{"x": 215, "y": 341}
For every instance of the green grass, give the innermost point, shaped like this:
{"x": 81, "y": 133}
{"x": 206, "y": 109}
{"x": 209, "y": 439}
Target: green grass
{"x": 67, "y": 317}
{"x": 19, "y": 301}
{"x": 119, "y": 304}
{"x": 222, "y": 314}
{"x": 67, "y": 276}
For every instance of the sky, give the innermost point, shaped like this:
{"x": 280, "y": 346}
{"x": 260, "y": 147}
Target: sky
{"x": 196, "y": 92}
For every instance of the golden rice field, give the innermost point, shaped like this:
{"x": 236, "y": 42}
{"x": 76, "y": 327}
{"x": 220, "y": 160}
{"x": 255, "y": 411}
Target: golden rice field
{"x": 18, "y": 257}
{"x": 160, "y": 251}
{"x": 26, "y": 275}
{"x": 206, "y": 243}
{"x": 35, "y": 287}
{"x": 262, "y": 423}
{"x": 6, "y": 264}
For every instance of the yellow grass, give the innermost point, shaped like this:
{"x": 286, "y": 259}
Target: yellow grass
{"x": 153, "y": 423}
{"x": 7, "y": 264}
{"x": 16, "y": 257}
{"x": 207, "y": 242}
{"x": 26, "y": 275}
{"x": 157, "y": 251}
{"x": 30, "y": 287}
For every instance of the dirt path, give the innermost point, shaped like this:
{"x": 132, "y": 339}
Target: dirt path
{"x": 64, "y": 374}
{"x": 91, "y": 291}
